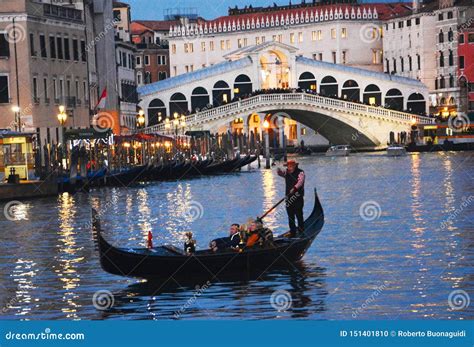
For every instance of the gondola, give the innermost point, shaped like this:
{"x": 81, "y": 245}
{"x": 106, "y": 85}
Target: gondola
{"x": 167, "y": 261}
{"x": 127, "y": 177}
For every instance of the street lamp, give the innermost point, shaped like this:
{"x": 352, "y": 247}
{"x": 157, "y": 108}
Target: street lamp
{"x": 16, "y": 110}
{"x": 167, "y": 125}
{"x": 159, "y": 117}
{"x": 141, "y": 118}
{"x": 62, "y": 119}
{"x": 266, "y": 125}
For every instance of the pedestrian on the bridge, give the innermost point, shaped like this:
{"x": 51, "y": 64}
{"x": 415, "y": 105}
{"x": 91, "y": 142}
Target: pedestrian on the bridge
{"x": 294, "y": 190}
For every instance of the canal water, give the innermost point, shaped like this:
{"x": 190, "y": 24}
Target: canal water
{"x": 398, "y": 243}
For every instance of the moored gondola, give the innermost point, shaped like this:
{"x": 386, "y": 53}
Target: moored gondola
{"x": 167, "y": 261}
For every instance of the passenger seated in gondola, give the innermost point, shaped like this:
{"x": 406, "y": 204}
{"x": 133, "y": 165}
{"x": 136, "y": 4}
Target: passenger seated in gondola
{"x": 259, "y": 235}
{"x": 231, "y": 241}
{"x": 189, "y": 244}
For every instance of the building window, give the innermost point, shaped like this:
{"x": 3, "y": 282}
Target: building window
{"x": 333, "y": 33}
{"x": 35, "y": 90}
{"x": 314, "y": 37}
{"x": 418, "y": 61}
{"x": 441, "y": 36}
{"x": 461, "y": 38}
{"x": 117, "y": 16}
{"x": 239, "y": 43}
{"x": 451, "y": 58}
{"x": 257, "y": 40}
{"x": 344, "y": 33}
{"x": 334, "y": 57}
{"x": 67, "y": 55}
{"x": 32, "y": 45}
{"x": 450, "y": 35}
{"x": 162, "y": 75}
{"x": 300, "y": 37}
{"x": 461, "y": 62}
{"x": 76, "y": 84}
{"x": 320, "y": 56}
{"x": 222, "y": 45}
{"x": 139, "y": 78}
{"x": 55, "y": 91}
{"x": 162, "y": 60}
{"x": 83, "y": 51}
{"x": 320, "y": 35}
{"x": 173, "y": 48}
{"x": 75, "y": 49}
{"x": 52, "y": 47}
{"x": 408, "y": 22}
{"x": 440, "y": 16}
{"x": 280, "y": 38}
{"x": 4, "y": 46}
{"x": 4, "y": 92}
{"x": 45, "y": 87}
{"x": 451, "y": 81}
{"x": 344, "y": 57}
{"x": 387, "y": 66}
{"x": 442, "y": 82}
{"x": 400, "y": 25}
{"x": 59, "y": 42}
{"x": 147, "y": 77}
{"x": 450, "y": 15}
{"x": 175, "y": 70}
{"x": 203, "y": 46}
{"x": 44, "y": 53}
{"x": 292, "y": 37}
{"x": 394, "y": 65}
{"x": 211, "y": 46}
{"x": 441, "y": 59}
{"x": 86, "y": 91}
{"x": 147, "y": 60}
{"x": 228, "y": 45}
{"x": 402, "y": 64}
{"x": 410, "y": 63}
{"x": 470, "y": 37}
{"x": 138, "y": 60}
{"x": 417, "y": 21}
{"x": 374, "y": 57}
{"x": 186, "y": 68}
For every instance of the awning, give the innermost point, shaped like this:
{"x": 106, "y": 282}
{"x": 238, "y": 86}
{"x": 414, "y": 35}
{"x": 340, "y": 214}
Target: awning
{"x": 87, "y": 134}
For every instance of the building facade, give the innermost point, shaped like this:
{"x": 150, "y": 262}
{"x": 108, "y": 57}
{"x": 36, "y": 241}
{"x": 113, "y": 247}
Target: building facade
{"x": 43, "y": 64}
{"x": 348, "y": 34}
{"x": 424, "y": 45}
{"x": 466, "y": 67}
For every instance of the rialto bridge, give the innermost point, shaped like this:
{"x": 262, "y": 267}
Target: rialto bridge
{"x": 271, "y": 82}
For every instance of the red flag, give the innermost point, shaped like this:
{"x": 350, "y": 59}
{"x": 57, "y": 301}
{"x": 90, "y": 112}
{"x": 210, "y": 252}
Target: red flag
{"x": 149, "y": 243}
{"x": 103, "y": 97}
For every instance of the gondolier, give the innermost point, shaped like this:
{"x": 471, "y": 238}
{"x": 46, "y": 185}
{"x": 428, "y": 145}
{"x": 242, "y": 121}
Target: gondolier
{"x": 294, "y": 190}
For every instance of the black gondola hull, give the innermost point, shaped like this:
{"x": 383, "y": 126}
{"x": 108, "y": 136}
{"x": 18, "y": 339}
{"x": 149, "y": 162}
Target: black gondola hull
{"x": 166, "y": 262}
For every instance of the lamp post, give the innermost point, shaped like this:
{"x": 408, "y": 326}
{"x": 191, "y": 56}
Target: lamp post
{"x": 141, "y": 124}
{"x": 266, "y": 126}
{"x": 62, "y": 119}
{"x": 167, "y": 125}
{"x": 16, "y": 110}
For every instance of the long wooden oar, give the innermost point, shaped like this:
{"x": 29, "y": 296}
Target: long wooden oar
{"x": 270, "y": 210}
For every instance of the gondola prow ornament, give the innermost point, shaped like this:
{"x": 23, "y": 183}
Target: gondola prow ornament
{"x": 149, "y": 241}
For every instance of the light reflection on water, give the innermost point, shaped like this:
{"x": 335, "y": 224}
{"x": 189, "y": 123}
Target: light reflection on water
{"x": 49, "y": 266}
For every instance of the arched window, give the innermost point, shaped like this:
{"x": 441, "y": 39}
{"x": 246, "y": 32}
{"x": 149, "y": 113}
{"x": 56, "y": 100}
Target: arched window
{"x": 307, "y": 81}
{"x": 329, "y": 87}
{"x": 394, "y": 99}
{"x": 416, "y": 103}
{"x": 242, "y": 85}
{"x": 156, "y": 112}
{"x": 450, "y": 35}
{"x": 178, "y": 104}
{"x": 441, "y": 36}
{"x": 221, "y": 93}
{"x": 199, "y": 99}
{"x": 372, "y": 95}
{"x": 350, "y": 91}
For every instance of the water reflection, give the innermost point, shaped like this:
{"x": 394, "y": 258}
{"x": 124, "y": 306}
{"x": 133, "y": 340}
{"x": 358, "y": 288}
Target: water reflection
{"x": 49, "y": 267}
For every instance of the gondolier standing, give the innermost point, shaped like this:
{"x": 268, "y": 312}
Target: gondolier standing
{"x": 294, "y": 179}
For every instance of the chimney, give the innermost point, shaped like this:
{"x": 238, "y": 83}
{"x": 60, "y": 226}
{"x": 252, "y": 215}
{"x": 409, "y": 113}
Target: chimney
{"x": 416, "y": 6}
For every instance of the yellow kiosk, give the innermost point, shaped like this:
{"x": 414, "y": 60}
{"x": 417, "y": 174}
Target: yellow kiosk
{"x": 16, "y": 152}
